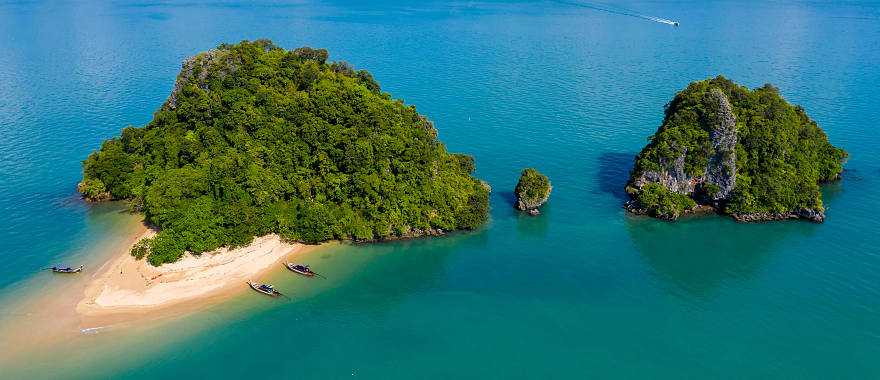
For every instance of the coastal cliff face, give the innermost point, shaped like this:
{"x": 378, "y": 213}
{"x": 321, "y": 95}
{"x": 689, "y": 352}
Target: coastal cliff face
{"x": 745, "y": 153}
{"x": 721, "y": 169}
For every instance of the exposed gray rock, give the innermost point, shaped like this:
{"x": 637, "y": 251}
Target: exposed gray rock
{"x": 803, "y": 213}
{"x": 526, "y": 205}
{"x": 672, "y": 176}
{"x": 194, "y": 70}
{"x": 721, "y": 168}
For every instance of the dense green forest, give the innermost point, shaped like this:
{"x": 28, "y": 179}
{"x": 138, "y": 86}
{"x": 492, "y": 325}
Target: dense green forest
{"x": 256, "y": 139}
{"x": 781, "y": 155}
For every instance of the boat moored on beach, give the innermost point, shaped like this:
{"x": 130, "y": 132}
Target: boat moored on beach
{"x": 59, "y": 269}
{"x": 301, "y": 269}
{"x": 264, "y": 288}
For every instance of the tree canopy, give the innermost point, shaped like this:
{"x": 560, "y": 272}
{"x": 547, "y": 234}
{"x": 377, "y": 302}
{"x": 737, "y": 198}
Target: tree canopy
{"x": 256, "y": 139}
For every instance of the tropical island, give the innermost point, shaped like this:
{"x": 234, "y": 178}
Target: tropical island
{"x": 257, "y": 140}
{"x": 532, "y": 191}
{"x": 744, "y": 153}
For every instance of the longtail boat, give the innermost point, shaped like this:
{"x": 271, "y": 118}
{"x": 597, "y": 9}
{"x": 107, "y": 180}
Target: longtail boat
{"x": 264, "y": 288}
{"x": 301, "y": 269}
{"x": 67, "y": 269}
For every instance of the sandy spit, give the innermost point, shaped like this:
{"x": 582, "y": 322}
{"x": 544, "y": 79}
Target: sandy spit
{"x": 129, "y": 285}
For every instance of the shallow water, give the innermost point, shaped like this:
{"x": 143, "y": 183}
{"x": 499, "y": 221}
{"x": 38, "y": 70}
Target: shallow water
{"x": 573, "y": 88}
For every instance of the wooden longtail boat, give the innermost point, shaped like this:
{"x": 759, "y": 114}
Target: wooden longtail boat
{"x": 264, "y": 288}
{"x": 301, "y": 269}
{"x": 67, "y": 269}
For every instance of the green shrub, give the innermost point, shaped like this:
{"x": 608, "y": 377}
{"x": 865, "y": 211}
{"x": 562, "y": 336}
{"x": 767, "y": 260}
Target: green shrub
{"x": 141, "y": 248}
{"x": 661, "y": 202}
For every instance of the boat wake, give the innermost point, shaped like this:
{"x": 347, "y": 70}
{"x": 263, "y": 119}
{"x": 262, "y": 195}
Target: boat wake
{"x": 662, "y": 20}
{"x": 92, "y": 330}
{"x": 618, "y": 11}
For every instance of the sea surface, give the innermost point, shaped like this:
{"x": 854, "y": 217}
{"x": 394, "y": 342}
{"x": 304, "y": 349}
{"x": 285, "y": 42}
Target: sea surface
{"x": 572, "y": 88}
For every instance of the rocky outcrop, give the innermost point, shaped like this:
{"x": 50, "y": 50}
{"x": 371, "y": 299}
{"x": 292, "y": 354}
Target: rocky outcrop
{"x": 93, "y": 190}
{"x": 737, "y": 151}
{"x": 672, "y": 176}
{"x": 721, "y": 169}
{"x": 194, "y": 71}
{"x": 408, "y": 233}
{"x": 531, "y": 206}
{"x": 803, "y": 213}
{"x": 719, "y": 178}
{"x": 532, "y": 191}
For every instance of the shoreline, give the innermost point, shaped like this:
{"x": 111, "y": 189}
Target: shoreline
{"x": 129, "y": 286}
{"x": 809, "y": 215}
{"x": 122, "y": 294}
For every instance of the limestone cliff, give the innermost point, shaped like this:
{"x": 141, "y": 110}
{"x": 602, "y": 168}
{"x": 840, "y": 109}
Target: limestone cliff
{"x": 721, "y": 169}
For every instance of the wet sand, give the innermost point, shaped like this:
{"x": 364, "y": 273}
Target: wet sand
{"x": 123, "y": 293}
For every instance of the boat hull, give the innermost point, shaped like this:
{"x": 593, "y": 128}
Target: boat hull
{"x": 298, "y": 271}
{"x": 67, "y": 270}
{"x": 257, "y": 288}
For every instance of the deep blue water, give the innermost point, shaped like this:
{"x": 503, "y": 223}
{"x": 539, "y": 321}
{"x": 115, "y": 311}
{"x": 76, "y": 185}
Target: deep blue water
{"x": 572, "y": 88}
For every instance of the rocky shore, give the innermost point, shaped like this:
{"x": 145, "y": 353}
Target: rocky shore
{"x": 808, "y": 214}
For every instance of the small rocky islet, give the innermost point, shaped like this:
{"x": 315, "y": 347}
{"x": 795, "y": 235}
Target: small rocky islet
{"x": 532, "y": 191}
{"x": 739, "y": 152}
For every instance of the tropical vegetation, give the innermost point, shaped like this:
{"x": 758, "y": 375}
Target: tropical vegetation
{"x": 256, "y": 139}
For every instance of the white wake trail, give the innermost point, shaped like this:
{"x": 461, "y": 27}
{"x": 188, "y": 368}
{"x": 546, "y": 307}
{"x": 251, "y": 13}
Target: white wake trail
{"x": 661, "y": 20}
{"x": 619, "y": 11}
{"x": 92, "y": 330}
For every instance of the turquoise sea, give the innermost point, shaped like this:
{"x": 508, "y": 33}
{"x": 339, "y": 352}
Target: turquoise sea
{"x": 573, "y": 88}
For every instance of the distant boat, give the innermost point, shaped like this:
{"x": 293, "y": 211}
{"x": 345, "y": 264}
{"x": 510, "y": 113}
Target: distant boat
{"x": 67, "y": 269}
{"x": 264, "y": 288}
{"x": 301, "y": 269}
{"x": 675, "y": 23}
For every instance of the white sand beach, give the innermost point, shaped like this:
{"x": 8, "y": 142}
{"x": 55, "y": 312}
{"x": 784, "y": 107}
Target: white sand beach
{"x": 128, "y": 285}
